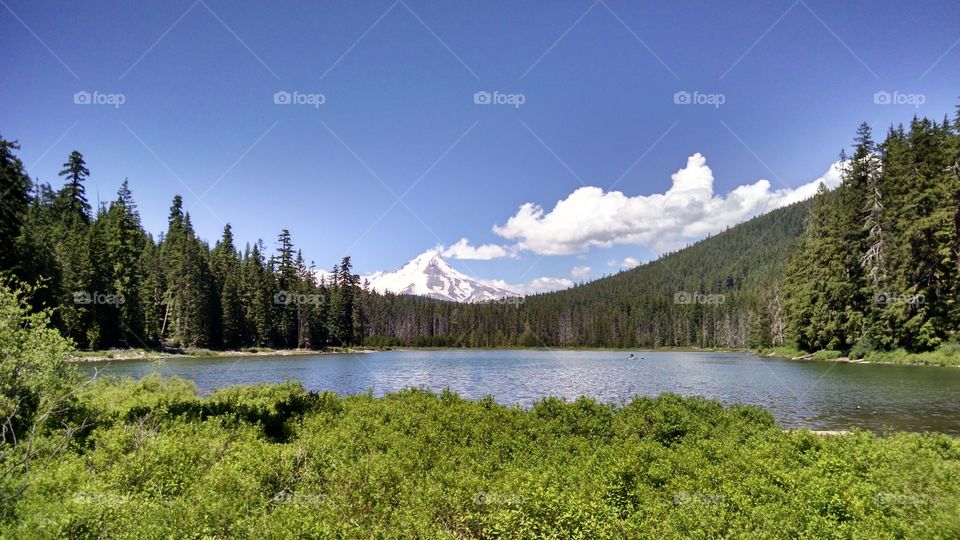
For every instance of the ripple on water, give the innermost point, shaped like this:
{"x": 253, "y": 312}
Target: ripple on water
{"x": 799, "y": 394}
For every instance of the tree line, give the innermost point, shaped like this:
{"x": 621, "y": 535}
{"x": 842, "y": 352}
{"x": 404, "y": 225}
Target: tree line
{"x": 871, "y": 265}
{"x": 111, "y": 284}
{"x": 878, "y": 266}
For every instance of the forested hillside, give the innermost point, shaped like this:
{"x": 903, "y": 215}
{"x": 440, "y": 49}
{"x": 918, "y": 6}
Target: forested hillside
{"x": 879, "y": 264}
{"x": 873, "y": 265}
{"x": 723, "y": 291}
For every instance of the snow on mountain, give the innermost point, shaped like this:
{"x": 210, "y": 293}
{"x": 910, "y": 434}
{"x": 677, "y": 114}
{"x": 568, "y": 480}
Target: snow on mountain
{"x": 429, "y": 275}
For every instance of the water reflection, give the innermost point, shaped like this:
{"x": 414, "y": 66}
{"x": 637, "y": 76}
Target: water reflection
{"x": 818, "y": 395}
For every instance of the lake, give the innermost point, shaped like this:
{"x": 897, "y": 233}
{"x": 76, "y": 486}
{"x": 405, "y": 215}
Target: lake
{"x": 814, "y": 395}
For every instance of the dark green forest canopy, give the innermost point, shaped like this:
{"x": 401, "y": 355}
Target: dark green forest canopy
{"x": 871, "y": 265}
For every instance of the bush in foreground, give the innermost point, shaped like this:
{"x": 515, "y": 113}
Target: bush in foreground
{"x": 152, "y": 459}
{"x": 275, "y": 461}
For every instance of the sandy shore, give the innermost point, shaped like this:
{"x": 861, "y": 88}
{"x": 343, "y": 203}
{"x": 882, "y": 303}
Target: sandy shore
{"x": 847, "y": 360}
{"x": 119, "y": 355}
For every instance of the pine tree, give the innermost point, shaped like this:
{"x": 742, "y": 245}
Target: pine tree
{"x": 225, "y": 265}
{"x": 153, "y": 293}
{"x": 125, "y": 240}
{"x": 343, "y": 303}
{"x": 259, "y": 293}
{"x": 73, "y": 199}
{"x": 188, "y": 281}
{"x": 284, "y": 268}
{"x": 14, "y": 203}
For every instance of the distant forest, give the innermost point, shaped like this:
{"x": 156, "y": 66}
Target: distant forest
{"x": 871, "y": 265}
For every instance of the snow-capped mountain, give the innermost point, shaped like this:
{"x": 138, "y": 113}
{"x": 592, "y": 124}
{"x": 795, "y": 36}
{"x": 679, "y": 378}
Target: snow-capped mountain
{"x": 429, "y": 275}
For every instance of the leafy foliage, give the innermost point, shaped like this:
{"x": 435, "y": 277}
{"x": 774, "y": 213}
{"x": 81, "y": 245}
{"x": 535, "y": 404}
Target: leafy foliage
{"x": 39, "y": 412}
{"x": 276, "y": 461}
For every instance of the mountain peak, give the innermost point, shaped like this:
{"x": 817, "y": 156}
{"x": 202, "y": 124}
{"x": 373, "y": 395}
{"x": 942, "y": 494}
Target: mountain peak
{"x": 428, "y": 274}
{"x": 428, "y": 257}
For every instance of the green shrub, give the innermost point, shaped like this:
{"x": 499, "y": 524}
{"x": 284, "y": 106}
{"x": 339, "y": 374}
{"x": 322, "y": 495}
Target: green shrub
{"x": 862, "y": 348}
{"x": 275, "y": 461}
{"x": 827, "y": 355}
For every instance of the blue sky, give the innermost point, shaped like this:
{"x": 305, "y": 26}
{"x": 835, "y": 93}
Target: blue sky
{"x": 597, "y": 81}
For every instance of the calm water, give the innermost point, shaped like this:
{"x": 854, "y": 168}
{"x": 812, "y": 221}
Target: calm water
{"x": 816, "y": 395}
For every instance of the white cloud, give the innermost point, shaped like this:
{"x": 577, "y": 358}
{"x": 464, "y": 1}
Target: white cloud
{"x": 580, "y": 271}
{"x": 689, "y": 210}
{"x": 538, "y": 285}
{"x": 630, "y": 262}
{"x": 463, "y": 250}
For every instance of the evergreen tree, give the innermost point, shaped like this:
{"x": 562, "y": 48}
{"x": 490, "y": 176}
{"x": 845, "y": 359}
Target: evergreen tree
{"x": 14, "y": 202}
{"x": 225, "y": 265}
{"x": 343, "y": 303}
{"x": 283, "y": 267}
{"x": 153, "y": 295}
{"x": 259, "y": 293}
{"x": 188, "y": 281}
{"x": 72, "y": 197}
{"x": 125, "y": 240}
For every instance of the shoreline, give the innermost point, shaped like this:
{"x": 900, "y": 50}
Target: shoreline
{"x": 121, "y": 355}
{"x": 911, "y": 359}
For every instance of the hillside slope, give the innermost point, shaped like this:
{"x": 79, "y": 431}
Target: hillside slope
{"x": 722, "y": 291}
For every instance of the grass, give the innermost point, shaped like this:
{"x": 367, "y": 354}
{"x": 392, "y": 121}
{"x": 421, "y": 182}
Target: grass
{"x": 275, "y": 461}
{"x": 947, "y": 354}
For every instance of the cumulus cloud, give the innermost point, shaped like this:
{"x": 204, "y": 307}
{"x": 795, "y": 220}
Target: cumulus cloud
{"x": 463, "y": 250}
{"x": 538, "y": 285}
{"x": 580, "y": 271}
{"x": 628, "y": 263}
{"x": 689, "y": 210}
